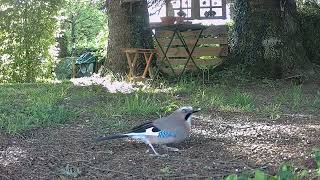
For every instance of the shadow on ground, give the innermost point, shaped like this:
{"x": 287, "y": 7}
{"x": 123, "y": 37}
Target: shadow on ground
{"x": 221, "y": 143}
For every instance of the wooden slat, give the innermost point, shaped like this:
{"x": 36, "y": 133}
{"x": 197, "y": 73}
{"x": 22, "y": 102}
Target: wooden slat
{"x": 219, "y": 30}
{"x": 210, "y": 31}
{"x": 218, "y": 40}
{"x": 207, "y": 62}
{"x": 203, "y": 51}
{"x": 138, "y": 50}
{"x": 178, "y": 69}
{"x": 165, "y": 33}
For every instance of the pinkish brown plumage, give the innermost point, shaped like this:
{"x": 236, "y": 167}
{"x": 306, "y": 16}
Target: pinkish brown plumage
{"x": 170, "y": 129}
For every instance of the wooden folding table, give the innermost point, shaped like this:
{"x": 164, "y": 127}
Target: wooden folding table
{"x": 132, "y": 56}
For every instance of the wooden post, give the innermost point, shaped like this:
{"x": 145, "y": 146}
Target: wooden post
{"x": 195, "y": 9}
{"x": 224, "y": 9}
{"x": 167, "y": 7}
{"x": 148, "y": 60}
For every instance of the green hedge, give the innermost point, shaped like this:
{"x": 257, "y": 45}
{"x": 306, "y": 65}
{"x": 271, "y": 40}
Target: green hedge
{"x": 309, "y": 13}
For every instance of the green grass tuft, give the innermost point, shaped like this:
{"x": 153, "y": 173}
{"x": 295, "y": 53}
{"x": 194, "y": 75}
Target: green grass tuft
{"x": 316, "y": 101}
{"x": 273, "y": 111}
{"x": 26, "y": 106}
{"x": 241, "y": 100}
{"x": 291, "y": 98}
{"x": 140, "y": 103}
{"x": 296, "y": 96}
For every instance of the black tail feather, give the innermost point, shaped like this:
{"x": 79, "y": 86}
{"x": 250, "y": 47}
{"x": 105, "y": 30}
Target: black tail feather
{"x": 104, "y": 138}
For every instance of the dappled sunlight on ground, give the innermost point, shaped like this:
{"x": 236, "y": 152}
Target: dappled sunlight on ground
{"x": 265, "y": 142}
{"x": 113, "y": 86}
{"x": 221, "y": 143}
{"x": 218, "y": 127}
{"x": 272, "y": 151}
{"x": 11, "y": 155}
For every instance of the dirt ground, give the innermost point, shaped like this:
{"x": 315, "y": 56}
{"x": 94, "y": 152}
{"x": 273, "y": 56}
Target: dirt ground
{"x": 221, "y": 143}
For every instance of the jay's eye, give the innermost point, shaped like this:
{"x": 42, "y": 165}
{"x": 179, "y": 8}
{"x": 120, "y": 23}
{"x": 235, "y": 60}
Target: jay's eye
{"x": 184, "y": 110}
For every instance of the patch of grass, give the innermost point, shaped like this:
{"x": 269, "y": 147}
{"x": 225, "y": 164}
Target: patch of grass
{"x": 267, "y": 83}
{"x": 285, "y": 172}
{"x": 241, "y": 100}
{"x": 234, "y": 75}
{"x": 217, "y": 100}
{"x": 187, "y": 87}
{"x": 316, "y": 102}
{"x": 317, "y": 157}
{"x": 140, "y": 103}
{"x": 292, "y": 98}
{"x": 273, "y": 111}
{"x": 221, "y": 97}
{"x": 143, "y": 104}
{"x": 296, "y": 97}
{"x": 202, "y": 96}
{"x": 25, "y": 106}
{"x": 281, "y": 98}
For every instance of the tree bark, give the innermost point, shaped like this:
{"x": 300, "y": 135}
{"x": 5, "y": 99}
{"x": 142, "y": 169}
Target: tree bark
{"x": 267, "y": 38}
{"x": 128, "y": 28}
{"x": 141, "y": 36}
{"x": 119, "y": 36}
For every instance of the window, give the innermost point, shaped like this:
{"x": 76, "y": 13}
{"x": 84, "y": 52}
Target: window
{"x": 200, "y": 9}
{"x": 180, "y": 6}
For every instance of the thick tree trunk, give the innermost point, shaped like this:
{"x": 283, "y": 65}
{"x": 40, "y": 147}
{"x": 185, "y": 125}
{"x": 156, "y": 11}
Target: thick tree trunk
{"x": 127, "y": 23}
{"x": 119, "y": 34}
{"x": 267, "y": 38}
{"x": 139, "y": 19}
{"x": 140, "y": 33}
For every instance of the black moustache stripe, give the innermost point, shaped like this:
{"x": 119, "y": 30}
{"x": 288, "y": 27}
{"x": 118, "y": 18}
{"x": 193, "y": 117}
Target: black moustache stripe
{"x": 187, "y": 116}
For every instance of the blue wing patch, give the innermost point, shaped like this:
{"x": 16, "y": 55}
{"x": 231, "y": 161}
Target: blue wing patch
{"x": 166, "y": 134}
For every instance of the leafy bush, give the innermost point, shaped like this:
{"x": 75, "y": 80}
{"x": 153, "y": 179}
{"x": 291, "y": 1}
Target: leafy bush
{"x": 27, "y": 39}
{"x": 63, "y": 69}
{"x": 86, "y": 22}
{"x": 309, "y": 12}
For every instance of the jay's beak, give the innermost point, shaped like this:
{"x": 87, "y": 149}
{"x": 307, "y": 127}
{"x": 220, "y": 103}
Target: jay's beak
{"x": 196, "y": 110}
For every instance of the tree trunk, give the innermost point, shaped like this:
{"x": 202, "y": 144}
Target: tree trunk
{"x": 128, "y": 24}
{"x": 267, "y": 38}
{"x": 141, "y": 36}
{"x": 119, "y": 36}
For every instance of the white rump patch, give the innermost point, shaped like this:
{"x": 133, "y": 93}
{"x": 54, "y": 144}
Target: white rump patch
{"x": 149, "y": 132}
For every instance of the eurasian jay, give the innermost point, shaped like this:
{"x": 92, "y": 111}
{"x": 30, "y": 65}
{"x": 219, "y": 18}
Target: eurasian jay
{"x": 171, "y": 129}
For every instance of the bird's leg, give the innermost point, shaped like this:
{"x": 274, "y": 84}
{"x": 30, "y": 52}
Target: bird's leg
{"x": 155, "y": 152}
{"x": 170, "y": 148}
